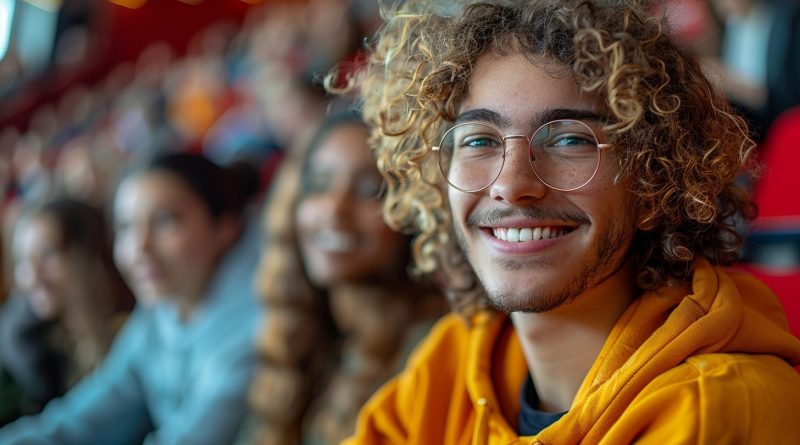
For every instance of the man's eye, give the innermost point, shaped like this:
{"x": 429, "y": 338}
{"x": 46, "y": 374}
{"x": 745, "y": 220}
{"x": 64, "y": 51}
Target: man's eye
{"x": 568, "y": 140}
{"x": 574, "y": 144}
{"x": 480, "y": 141}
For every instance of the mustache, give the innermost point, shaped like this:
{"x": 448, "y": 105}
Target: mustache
{"x": 495, "y": 216}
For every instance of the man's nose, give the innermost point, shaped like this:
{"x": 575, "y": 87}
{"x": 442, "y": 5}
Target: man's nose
{"x": 517, "y": 184}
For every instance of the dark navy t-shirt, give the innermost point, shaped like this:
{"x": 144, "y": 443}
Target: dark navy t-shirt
{"x": 531, "y": 420}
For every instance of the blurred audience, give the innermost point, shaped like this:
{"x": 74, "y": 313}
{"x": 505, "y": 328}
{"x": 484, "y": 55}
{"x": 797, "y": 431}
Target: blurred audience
{"x": 245, "y": 94}
{"x": 759, "y": 61}
{"x": 69, "y": 304}
{"x": 179, "y": 371}
{"x": 342, "y": 313}
{"x": 751, "y": 50}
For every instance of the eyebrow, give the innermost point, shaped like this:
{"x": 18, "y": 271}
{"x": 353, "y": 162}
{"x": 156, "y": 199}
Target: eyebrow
{"x": 483, "y": 115}
{"x": 555, "y": 114}
{"x": 548, "y": 115}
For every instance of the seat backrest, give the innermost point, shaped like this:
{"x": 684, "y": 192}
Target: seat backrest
{"x": 777, "y": 193}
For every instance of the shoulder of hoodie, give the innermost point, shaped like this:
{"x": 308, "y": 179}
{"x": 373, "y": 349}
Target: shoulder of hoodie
{"x": 717, "y": 398}
{"x": 717, "y": 379}
{"x": 447, "y": 335}
{"x": 446, "y": 346}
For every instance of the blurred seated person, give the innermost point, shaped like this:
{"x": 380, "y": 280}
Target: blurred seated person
{"x": 343, "y": 314}
{"x": 179, "y": 371}
{"x": 69, "y": 303}
{"x": 760, "y": 57}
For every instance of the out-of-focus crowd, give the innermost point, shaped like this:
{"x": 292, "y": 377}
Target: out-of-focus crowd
{"x": 237, "y": 93}
{"x": 269, "y": 306}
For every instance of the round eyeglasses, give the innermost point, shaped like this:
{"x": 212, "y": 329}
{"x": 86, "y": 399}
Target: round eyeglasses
{"x": 564, "y": 154}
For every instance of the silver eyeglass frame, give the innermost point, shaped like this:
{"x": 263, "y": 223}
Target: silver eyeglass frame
{"x": 600, "y": 149}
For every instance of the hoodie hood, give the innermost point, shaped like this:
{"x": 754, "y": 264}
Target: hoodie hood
{"x": 720, "y": 312}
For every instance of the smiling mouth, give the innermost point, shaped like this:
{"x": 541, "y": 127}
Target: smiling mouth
{"x": 523, "y": 234}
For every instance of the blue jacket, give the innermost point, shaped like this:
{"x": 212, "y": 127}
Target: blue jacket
{"x": 165, "y": 381}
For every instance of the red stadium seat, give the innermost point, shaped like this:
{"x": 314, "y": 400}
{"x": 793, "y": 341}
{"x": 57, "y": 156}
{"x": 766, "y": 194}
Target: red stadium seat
{"x": 777, "y": 193}
{"x": 773, "y": 251}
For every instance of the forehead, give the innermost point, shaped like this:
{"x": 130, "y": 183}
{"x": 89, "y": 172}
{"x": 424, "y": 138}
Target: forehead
{"x": 524, "y": 89}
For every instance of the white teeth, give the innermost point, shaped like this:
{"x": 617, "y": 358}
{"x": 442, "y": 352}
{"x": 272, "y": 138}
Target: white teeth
{"x": 335, "y": 241}
{"x": 518, "y": 235}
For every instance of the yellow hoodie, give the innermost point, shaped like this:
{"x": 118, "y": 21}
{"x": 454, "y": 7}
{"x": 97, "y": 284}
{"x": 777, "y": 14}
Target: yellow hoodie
{"x": 702, "y": 364}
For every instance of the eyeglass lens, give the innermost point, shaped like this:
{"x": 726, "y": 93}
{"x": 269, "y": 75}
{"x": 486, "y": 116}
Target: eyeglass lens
{"x": 564, "y": 154}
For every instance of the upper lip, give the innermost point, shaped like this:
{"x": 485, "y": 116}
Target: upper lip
{"x": 526, "y": 223}
{"x": 526, "y": 217}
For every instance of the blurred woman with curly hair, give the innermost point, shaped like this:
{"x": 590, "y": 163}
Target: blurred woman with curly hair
{"x": 574, "y": 170}
{"x": 342, "y": 313}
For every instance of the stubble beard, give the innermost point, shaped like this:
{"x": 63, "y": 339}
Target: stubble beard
{"x": 600, "y": 265}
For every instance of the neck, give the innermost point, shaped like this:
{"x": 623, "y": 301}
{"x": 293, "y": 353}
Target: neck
{"x": 560, "y": 346}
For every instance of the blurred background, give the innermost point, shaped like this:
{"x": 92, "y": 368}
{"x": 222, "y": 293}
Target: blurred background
{"x": 88, "y": 86}
{"x": 91, "y": 87}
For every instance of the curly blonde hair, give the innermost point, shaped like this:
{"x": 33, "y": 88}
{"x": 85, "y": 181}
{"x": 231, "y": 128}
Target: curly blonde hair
{"x": 679, "y": 145}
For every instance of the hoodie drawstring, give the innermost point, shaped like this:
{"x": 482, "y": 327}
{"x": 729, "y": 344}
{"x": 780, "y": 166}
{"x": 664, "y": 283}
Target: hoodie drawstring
{"x": 480, "y": 435}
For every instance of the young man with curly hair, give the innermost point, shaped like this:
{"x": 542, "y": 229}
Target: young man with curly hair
{"x": 576, "y": 172}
